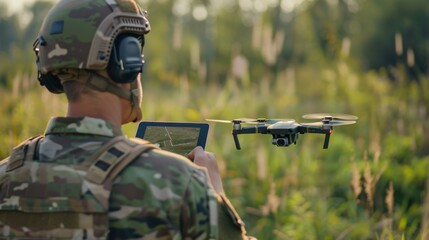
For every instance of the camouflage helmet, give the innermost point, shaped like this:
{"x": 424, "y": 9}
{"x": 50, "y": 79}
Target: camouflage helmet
{"x": 79, "y": 34}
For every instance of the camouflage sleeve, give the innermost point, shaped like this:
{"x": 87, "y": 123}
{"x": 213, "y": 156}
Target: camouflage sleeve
{"x": 199, "y": 209}
{"x": 207, "y": 215}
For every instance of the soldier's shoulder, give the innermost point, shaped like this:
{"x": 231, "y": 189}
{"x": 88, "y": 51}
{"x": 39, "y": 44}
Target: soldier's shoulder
{"x": 3, "y": 164}
{"x": 19, "y": 152}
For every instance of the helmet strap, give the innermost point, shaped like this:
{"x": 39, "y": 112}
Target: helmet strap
{"x": 135, "y": 100}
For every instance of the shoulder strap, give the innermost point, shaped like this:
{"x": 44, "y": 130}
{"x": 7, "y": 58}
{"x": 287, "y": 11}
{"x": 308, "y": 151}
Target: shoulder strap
{"x": 23, "y": 152}
{"x": 108, "y": 163}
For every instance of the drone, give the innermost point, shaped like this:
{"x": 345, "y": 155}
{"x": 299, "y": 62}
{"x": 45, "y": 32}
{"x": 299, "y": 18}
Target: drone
{"x": 285, "y": 132}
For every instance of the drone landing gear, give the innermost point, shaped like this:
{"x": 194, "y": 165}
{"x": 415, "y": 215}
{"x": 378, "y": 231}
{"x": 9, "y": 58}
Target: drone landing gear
{"x": 326, "y": 142}
{"x": 236, "y": 141}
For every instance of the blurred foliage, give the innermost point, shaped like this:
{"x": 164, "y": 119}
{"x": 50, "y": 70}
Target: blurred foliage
{"x": 277, "y": 59}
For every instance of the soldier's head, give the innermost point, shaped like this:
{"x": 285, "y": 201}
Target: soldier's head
{"x": 95, "y": 43}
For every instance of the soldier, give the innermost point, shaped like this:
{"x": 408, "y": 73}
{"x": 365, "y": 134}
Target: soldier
{"x": 83, "y": 179}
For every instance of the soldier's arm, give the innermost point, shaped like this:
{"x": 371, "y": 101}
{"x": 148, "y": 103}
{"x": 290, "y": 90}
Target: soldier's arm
{"x": 229, "y": 223}
{"x": 199, "y": 210}
{"x": 208, "y": 215}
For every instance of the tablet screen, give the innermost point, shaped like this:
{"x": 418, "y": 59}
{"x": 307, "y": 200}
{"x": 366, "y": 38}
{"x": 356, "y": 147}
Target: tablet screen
{"x": 177, "y": 137}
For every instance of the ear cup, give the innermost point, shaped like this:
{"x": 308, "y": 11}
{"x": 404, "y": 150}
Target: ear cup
{"x": 126, "y": 60}
{"x": 51, "y": 82}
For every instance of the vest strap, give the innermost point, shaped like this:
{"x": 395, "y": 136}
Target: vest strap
{"x": 23, "y": 152}
{"x": 104, "y": 148}
{"x": 114, "y": 159}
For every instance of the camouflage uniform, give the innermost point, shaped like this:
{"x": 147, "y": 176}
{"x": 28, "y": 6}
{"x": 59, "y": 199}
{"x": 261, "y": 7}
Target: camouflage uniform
{"x": 159, "y": 195}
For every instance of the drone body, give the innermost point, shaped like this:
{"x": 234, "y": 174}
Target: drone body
{"x": 286, "y": 131}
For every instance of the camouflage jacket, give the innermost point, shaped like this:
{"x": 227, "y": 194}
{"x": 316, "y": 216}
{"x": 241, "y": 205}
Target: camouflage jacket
{"x": 157, "y": 195}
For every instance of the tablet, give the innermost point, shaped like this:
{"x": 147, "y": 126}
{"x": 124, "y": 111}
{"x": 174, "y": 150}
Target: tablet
{"x": 177, "y": 137}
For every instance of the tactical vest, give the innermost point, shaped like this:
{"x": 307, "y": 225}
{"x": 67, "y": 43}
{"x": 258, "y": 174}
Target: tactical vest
{"x": 35, "y": 204}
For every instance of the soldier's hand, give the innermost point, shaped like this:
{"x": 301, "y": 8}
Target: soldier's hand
{"x": 208, "y": 160}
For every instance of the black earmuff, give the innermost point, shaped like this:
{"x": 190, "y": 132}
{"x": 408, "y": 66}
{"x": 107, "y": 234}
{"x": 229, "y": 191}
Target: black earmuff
{"x": 50, "y": 81}
{"x": 126, "y": 60}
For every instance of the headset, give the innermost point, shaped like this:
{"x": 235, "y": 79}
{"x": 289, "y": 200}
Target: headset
{"x": 126, "y": 60}
{"x": 125, "y": 63}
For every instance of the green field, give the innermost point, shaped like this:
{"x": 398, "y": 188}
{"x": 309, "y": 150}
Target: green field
{"x": 178, "y": 140}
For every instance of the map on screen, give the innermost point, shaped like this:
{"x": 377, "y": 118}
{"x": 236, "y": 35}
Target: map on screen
{"x": 177, "y": 137}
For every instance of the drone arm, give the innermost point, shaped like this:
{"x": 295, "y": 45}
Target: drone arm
{"x": 247, "y": 130}
{"x": 311, "y": 129}
{"x": 253, "y": 129}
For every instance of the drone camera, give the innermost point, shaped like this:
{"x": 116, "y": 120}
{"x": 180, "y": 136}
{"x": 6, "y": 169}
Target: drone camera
{"x": 280, "y": 142}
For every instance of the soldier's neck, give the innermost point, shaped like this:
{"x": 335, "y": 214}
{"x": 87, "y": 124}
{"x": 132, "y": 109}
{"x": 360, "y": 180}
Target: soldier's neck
{"x": 101, "y": 105}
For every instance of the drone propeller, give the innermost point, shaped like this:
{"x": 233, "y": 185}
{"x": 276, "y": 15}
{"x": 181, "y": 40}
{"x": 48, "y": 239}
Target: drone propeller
{"x": 236, "y": 121}
{"x": 330, "y": 116}
{"x": 330, "y": 123}
{"x": 219, "y": 120}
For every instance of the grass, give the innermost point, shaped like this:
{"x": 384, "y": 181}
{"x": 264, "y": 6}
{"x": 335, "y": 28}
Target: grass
{"x": 370, "y": 184}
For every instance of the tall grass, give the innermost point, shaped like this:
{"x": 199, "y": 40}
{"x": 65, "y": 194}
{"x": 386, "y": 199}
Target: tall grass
{"x": 367, "y": 185}
{"x": 370, "y": 184}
